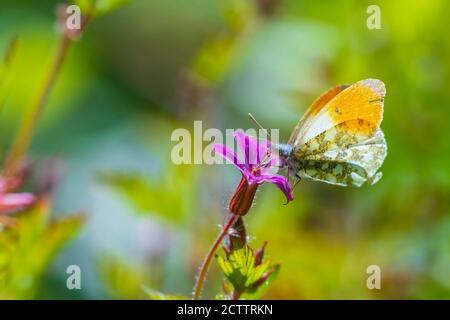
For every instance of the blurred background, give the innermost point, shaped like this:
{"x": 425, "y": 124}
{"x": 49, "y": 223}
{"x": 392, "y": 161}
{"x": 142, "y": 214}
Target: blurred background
{"x": 153, "y": 65}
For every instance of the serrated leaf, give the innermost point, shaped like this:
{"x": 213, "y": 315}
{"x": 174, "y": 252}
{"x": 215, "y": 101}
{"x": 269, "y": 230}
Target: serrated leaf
{"x": 240, "y": 269}
{"x": 258, "y": 291}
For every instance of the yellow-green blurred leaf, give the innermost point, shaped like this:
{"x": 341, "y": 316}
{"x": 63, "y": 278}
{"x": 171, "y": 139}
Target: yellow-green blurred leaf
{"x": 27, "y": 249}
{"x": 156, "y": 295}
{"x": 5, "y": 69}
{"x": 217, "y": 57}
{"x": 99, "y": 7}
{"x": 123, "y": 280}
{"x": 169, "y": 197}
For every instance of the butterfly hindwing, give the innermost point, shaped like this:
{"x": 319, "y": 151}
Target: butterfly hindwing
{"x": 349, "y": 160}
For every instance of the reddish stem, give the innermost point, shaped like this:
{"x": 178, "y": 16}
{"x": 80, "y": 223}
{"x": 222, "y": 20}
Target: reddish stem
{"x": 235, "y": 295}
{"x": 28, "y": 125}
{"x": 207, "y": 261}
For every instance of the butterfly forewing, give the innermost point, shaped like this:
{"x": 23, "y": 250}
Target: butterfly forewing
{"x": 315, "y": 107}
{"x": 340, "y": 142}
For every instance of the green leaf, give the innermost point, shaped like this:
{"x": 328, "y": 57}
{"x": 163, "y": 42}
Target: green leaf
{"x": 259, "y": 290}
{"x": 219, "y": 55}
{"x": 27, "y": 249}
{"x": 241, "y": 271}
{"x": 123, "y": 280}
{"x": 169, "y": 197}
{"x": 99, "y": 7}
{"x": 108, "y": 6}
{"x": 5, "y": 69}
{"x": 156, "y": 295}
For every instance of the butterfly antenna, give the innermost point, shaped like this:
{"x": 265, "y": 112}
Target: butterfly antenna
{"x": 258, "y": 124}
{"x": 267, "y": 157}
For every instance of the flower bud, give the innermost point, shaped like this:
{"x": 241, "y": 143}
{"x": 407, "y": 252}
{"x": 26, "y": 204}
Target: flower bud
{"x": 243, "y": 197}
{"x": 237, "y": 236}
{"x": 259, "y": 254}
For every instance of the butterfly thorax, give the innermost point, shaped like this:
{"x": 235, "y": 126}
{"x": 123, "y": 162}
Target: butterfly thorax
{"x": 288, "y": 158}
{"x": 285, "y": 150}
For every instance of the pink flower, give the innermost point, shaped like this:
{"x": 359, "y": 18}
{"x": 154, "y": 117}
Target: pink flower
{"x": 258, "y": 165}
{"x": 10, "y": 202}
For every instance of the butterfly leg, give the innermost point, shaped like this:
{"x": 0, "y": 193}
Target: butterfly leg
{"x": 298, "y": 178}
{"x": 296, "y": 182}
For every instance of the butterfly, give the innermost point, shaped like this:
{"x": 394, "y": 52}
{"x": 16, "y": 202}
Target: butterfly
{"x": 338, "y": 140}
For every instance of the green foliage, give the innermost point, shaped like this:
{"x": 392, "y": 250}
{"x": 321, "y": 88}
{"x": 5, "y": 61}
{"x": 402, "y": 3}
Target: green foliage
{"x": 100, "y": 7}
{"x": 170, "y": 197}
{"x": 123, "y": 280}
{"x": 27, "y": 249}
{"x": 5, "y": 69}
{"x": 246, "y": 275}
{"x": 217, "y": 57}
{"x": 123, "y": 76}
{"x": 156, "y": 295}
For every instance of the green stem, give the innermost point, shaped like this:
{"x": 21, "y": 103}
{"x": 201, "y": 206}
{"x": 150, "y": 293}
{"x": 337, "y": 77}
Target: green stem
{"x": 25, "y": 132}
{"x": 207, "y": 261}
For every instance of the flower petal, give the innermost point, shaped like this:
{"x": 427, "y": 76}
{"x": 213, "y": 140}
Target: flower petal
{"x": 272, "y": 166}
{"x": 13, "y": 201}
{"x": 230, "y": 156}
{"x": 281, "y": 182}
{"x": 253, "y": 150}
{"x": 257, "y": 166}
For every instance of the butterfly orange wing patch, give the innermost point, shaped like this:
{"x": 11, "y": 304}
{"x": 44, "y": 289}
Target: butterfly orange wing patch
{"x": 313, "y": 110}
{"x": 362, "y": 101}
